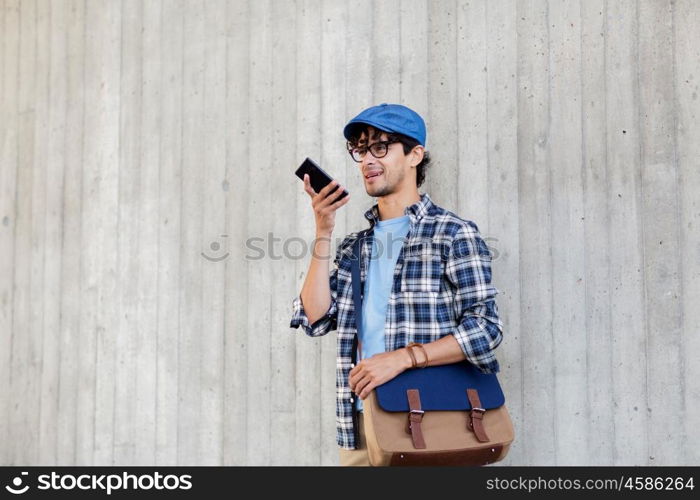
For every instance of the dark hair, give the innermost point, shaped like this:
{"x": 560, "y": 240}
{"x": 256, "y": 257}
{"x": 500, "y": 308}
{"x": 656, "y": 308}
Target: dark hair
{"x": 408, "y": 144}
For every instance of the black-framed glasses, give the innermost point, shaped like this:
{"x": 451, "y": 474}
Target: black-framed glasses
{"x": 378, "y": 149}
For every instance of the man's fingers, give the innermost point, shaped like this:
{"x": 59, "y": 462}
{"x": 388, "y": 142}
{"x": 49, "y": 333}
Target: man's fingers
{"x": 328, "y": 188}
{"x": 325, "y": 199}
{"x": 354, "y": 374}
{"x": 339, "y": 201}
{"x": 307, "y": 186}
{"x": 353, "y": 378}
{"x": 335, "y": 205}
{"x": 360, "y": 384}
{"x": 366, "y": 390}
{"x": 324, "y": 193}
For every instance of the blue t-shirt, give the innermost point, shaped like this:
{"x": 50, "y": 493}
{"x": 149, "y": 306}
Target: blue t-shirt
{"x": 389, "y": 237}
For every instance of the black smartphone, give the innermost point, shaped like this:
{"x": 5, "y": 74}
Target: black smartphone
{"x": 317, "y": 176}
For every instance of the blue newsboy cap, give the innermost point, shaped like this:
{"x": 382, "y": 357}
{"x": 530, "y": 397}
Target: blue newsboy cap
{"x": 391, "y": 118}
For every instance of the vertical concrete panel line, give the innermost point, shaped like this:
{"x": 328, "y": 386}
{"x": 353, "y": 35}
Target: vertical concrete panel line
{"x": 118, "y": 242}
{"x": 347, "y": 42}
{"x": 320, "y": 134}
{"x": 36, "y": 319}
{"x": 8, "y": 456}
{"x": 520, "y": 230}
{"x": 160, "y": 161}
{"x": 486, "y": 87}
{"x": 48, "y": 96}
{"x": 14, "y": 230}
{"x": 400, "y": 53}
{"x": 687, "y": 459}
{"x": 296, "y": 155}
{"x": 612, "y": 439}
{"x": 179, "y": 257}
{"x": 429, "y": 68}
{"x": 584, "y": 189}
{"x": 227, "y": 128}
{"x": 640, "y": 224}
{"x": 266, "y": 60}
{"x": 372, "y": 66}
{"x": 270, "y": 326}
{"x": 248, "y": 140}
{"x": 29, "y": 274}
{"x": 96, "y": 357}
{"x": 3, "y": 131}
{"x": 33, "y": 166}
{"x": 62, "y": 233}
{"x": 552, "y": 299}
{"x": 56, "y": 353}
{"x": 202, "y": 214}
{"x": 38, "y": 119}
{"x": 82, "y": 220}
{"x": 458, "y": 86}
{"x": 295, "y": 220}
{"x": 3, "y": 8}
{"x": 38, "y": 177}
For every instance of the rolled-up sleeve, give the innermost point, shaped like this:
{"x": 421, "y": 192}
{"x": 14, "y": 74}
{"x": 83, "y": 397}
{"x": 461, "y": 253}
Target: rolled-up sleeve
{"x": 479, "y": 330}
{"x": 327, "y": 322}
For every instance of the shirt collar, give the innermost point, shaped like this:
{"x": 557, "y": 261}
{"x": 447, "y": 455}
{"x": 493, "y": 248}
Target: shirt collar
{"x": 415, "y": 212}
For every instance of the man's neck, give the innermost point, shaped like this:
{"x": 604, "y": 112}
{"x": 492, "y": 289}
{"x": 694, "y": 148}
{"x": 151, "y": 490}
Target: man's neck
{"x": 394, "y": 205}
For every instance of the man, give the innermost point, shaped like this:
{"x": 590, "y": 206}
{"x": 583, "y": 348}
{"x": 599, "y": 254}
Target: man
{"x": 425, "y": 273}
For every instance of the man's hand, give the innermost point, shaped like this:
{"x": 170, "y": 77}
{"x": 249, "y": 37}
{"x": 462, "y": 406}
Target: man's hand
{"x": 374, "y": 371}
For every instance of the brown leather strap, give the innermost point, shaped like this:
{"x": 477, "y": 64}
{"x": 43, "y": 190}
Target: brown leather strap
{"x": 425, "y": 354}
{"x": 476, "y": 415}
{"x": 415, "y": 416}
{"x": 413, "y": 357}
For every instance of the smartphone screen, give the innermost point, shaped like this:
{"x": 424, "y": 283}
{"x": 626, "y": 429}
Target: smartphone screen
{"x": 317, "y": 176}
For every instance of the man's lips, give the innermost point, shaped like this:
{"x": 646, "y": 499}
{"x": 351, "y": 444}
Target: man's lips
{"x": 373, "y": 174}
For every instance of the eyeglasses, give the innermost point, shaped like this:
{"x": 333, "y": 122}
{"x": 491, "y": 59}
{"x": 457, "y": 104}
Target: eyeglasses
{"x": 378, "y": 150}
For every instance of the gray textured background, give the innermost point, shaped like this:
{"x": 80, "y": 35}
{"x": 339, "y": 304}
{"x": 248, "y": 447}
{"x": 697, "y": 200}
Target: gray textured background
{"x": 136, "y": 136}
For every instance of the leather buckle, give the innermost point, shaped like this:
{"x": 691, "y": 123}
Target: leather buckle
{"x": 476, "y": 412}
{"x": 417, "y": 419}
{"x": 418, "y": 416}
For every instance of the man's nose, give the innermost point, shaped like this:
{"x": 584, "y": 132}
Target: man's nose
{"x": 368, "y": 159}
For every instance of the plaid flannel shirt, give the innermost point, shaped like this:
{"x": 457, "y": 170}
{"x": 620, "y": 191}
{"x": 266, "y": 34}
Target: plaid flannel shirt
{"x": 442, "y": 286}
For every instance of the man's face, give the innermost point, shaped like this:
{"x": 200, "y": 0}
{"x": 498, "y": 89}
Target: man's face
{"x": 394, "y": 168}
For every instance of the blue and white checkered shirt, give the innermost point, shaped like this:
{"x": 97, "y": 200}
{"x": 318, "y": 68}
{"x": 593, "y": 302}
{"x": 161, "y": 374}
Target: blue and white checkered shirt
{"x": 442, "y": 286}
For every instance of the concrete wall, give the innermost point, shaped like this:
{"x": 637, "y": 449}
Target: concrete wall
{"x": 143, "y": 143}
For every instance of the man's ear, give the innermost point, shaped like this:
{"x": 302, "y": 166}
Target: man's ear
{"x": 418, "y": 151}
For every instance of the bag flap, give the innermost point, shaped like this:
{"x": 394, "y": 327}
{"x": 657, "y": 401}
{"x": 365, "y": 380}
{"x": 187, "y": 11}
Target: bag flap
{"x": 441, "y": 387}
